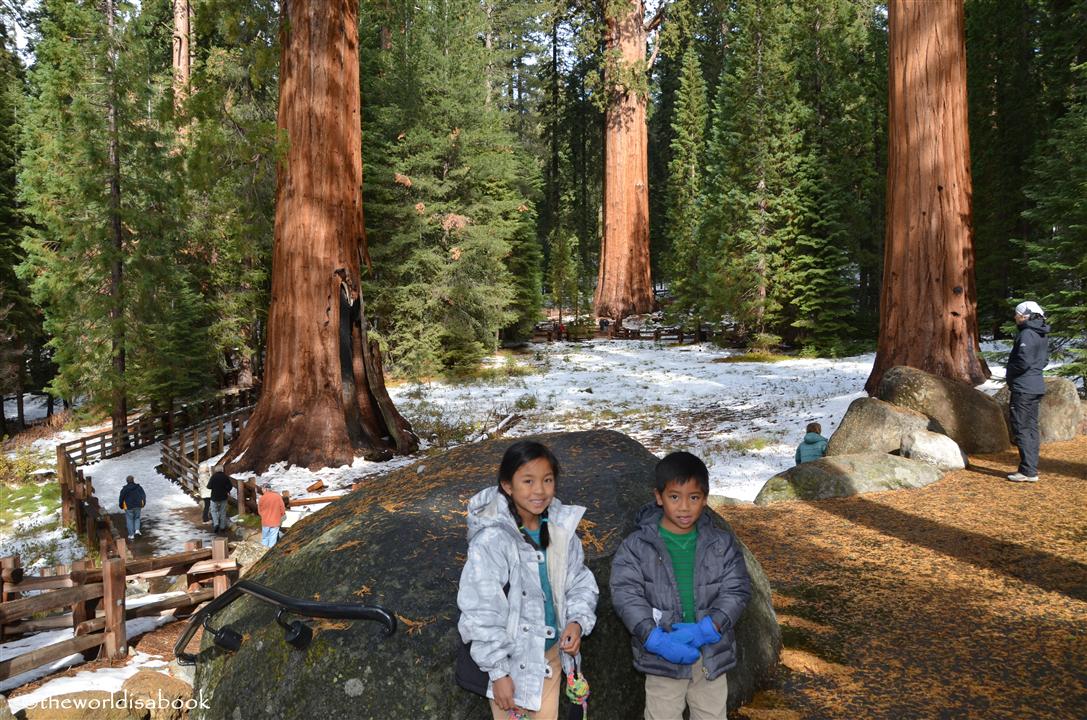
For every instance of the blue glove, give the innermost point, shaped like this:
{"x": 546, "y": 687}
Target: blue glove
{"x": 696, "y": 634}
{"x": 671, "y": 649}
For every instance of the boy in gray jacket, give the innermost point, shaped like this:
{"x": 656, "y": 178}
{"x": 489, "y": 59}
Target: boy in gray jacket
{"x": 680, "y": 584}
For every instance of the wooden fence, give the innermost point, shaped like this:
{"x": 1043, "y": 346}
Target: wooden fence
{"x": 183, "y": 451}
{"x": 91, "y": 600}
{"x": 79, "y": 506}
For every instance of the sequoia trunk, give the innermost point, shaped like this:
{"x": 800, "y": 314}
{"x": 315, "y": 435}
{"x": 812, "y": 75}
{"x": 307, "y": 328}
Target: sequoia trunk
{"x": 623, "y": 286}
{"x": 928, "y": 305}
{"x": 323, "y": 399}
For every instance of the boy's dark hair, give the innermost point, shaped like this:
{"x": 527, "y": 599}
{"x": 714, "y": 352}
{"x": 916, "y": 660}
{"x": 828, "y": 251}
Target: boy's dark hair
{"x": 814, "y": 427}
{"x": 521, "y": 453}
{"x": 680, "y": 467}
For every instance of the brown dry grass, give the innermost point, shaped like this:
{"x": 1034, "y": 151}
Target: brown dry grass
{"x": 964, "y": 599}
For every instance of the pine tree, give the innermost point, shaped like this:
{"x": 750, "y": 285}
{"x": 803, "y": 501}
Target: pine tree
{"x": 1057, "y": 259}
{"x": 753, "y": 159}
{"x": 688, "y": 281}
{"x": 446, "y": 209}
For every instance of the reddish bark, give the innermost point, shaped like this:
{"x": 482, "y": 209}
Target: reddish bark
{"x": 182, "y": 55}
{"x": 928, "y": 307}
{"x": 323, "y": 399}
{"x": 623, "y": 285}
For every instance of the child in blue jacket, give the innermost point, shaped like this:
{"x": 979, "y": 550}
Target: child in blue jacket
{"x": 680, "y": 584}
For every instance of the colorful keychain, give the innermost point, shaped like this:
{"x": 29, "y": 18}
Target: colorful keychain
{"x": 577, "y": 688}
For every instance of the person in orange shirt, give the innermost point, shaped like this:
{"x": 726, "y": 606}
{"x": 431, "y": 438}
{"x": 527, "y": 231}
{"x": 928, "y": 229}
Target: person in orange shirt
{"x": 271, "y": 509}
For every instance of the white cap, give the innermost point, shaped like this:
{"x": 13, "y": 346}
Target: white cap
{"x": 1029, "y": 308}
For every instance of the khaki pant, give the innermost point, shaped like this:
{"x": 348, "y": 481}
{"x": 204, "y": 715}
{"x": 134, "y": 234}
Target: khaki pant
{"x": 549, "y": 701}
{"x": 666, "y": 697}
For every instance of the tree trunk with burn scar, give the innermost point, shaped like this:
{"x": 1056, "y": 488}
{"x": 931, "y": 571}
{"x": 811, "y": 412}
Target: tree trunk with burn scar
{"x": 323, "y": 400}
{"x": 928, "y": 307}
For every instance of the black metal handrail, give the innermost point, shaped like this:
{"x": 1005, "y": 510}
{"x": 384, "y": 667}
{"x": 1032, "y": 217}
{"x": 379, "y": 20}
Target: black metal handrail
{"x": 297, "y": 633}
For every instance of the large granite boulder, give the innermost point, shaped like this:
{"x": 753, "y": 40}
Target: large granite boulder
{"x": 844, "y": 475}
{"x": 934, "y": 449}
{"x": 872, "y": 425}
{"x": 1060, "y": 413}
{"x": 399, "y": 541}
{"x": 968, "y": 416}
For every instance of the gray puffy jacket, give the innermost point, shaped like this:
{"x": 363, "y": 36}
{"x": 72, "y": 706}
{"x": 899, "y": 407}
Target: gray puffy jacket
{"x": 644, "y": 592}
{"x": 508, "y": 631}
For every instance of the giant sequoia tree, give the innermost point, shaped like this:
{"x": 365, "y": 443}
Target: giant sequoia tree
{"x": 928, "y": 308}
{"x": 624, "y": 287}
{"x": 324, "y": 397}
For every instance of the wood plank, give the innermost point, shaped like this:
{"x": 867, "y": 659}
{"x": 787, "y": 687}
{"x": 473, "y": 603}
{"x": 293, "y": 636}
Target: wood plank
{"x": 42, "y": 583}
{"x": 219, "y": 553}
{"x": 53, "y": 622}
{"x": 113, "y": 598}
{"x": 314, "y": 500}
{"x": 143, "y": 565}
{"x": 24, "y": 607}
{"x": 206, "y": 567}
{"x": 49, "y": 653}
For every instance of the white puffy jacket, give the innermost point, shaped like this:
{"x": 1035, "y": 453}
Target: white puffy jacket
{"x": 508, "y": 631}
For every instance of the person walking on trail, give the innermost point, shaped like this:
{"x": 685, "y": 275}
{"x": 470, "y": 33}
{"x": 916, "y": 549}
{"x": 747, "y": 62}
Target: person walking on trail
{"x": 202, "y": 476}
{"x": 220, "y": 485}
{"x": 1028, "y": 358}
{"x": 271, "y": 510}
{"x": 131, "y": 500}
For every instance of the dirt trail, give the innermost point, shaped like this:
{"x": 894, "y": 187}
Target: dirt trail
{"x": 964, "y": 599}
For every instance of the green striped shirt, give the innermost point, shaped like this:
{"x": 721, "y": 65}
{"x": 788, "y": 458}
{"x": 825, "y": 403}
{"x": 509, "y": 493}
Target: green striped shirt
{"x": 681, "y": 549}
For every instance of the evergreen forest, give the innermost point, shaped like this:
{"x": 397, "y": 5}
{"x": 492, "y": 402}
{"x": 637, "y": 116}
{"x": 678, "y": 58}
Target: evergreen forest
{"x": 137, "y": 188}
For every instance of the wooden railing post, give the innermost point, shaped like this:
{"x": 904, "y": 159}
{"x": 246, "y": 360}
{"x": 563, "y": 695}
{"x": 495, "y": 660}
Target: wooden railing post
{"x": 240, "y": 486}
{"x": 191, "y": 584}
{"x": 221, "y": 582}
{"x": 113, "y": 586}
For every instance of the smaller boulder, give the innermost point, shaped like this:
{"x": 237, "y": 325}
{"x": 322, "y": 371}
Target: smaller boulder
{"x": 844, "y": 475}
{"x": 872, "y": 425}
{"x": 85, "y": 705}
{"x": 246, "y": 553}
{"x": 1059, "y": 415}
{"x": 965, "y": 414}
{"x": 166, "y": 697}
{"x": 934, "y": 449}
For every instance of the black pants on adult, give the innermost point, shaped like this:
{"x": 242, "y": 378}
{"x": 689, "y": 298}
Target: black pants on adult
{"x": 1024, "y": 415}
{"x": 207, "y": 510}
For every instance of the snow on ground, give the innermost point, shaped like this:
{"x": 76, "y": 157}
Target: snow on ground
{"x": 744, "y": 419}
{"x": 23, "y": 645}
{"x": 107, "y": 679}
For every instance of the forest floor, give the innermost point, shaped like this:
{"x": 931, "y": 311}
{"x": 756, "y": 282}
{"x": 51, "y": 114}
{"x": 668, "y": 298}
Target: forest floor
{"x": 964, "y": 599}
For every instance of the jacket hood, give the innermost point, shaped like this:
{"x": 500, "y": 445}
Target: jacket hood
{"x": 1036, "y": 324}
{"x": 489, "y": 508}
{"x": 813, "y": 438}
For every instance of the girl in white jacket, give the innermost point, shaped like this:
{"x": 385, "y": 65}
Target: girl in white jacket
{"x": 525, "y": 592}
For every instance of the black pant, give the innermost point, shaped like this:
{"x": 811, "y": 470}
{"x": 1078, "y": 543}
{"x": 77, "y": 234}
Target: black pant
{"x": 207, "y": 510}
{"x": 1024, "y": 415}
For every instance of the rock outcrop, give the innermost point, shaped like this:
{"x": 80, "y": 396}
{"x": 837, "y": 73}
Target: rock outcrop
{"x": 968, "y": 416}
{"x": 1059, "y": 414}
{"x": 934, "y": 449}
{"x": 844, "y": 475}
{"x": 872, "y": 425}
{"x": 399, "y": 541}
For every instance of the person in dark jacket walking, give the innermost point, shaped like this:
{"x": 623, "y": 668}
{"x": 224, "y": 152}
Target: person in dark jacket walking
{"x": 131, "y": 500}
{"x": 1028, "y": 358}
{"x": 220, "y": 485}
{"x": 679, "y": 583}
{"x": 814, "y": 445}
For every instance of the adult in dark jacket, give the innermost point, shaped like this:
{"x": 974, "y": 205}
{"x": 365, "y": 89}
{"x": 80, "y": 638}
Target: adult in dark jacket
{"x": 1028, "y": 358}
{"x": 220, "y": 485}
{"x": 131, "y": 500}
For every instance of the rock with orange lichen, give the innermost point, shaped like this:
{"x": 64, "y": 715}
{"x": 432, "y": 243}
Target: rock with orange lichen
{"x": 400, "y": 541}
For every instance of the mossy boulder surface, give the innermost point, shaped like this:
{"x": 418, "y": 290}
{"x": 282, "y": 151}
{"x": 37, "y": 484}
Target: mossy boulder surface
{"x": 400, "y": 542}
{"x": 1059, "y": 414}
{"x": 872, "y": 425}
{"x": 844, "y": 475}
{"x": 968, "y": 416}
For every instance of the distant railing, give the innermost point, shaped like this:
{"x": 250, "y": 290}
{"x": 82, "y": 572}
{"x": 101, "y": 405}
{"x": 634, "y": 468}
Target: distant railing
{"x": 183, "y": 451}
{"x": 79, "y": 506}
